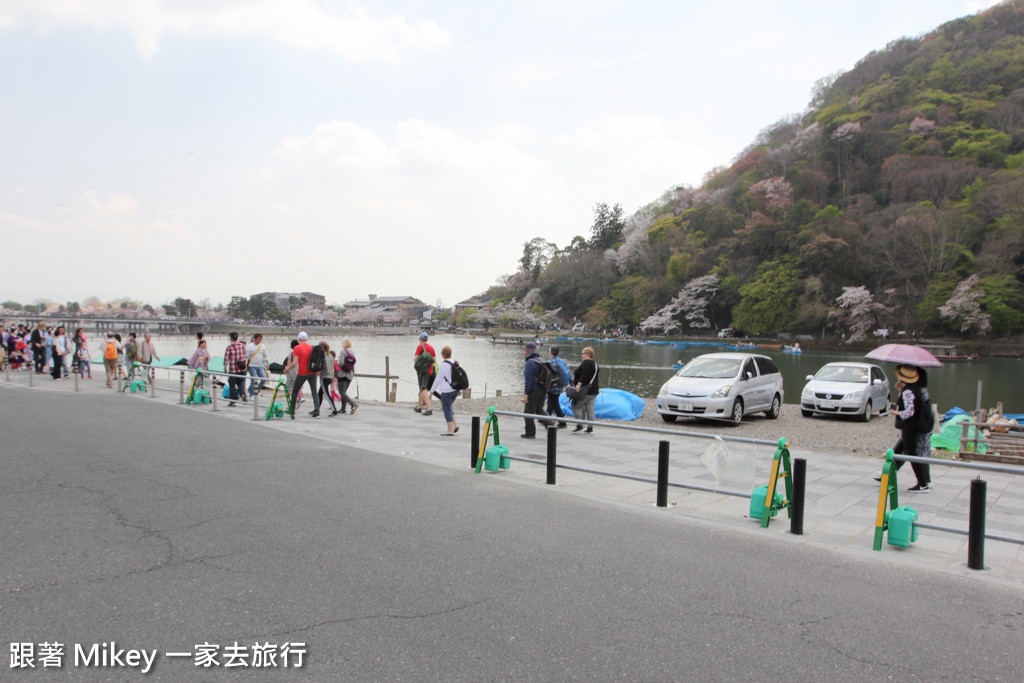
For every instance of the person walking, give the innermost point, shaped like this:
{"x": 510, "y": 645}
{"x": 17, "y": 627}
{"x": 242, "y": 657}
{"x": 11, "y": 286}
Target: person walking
{"x": 915, "y": 420}
{"x": 555, "y": 394}
{"x": 234, "y": 365}
{"x": 110, "y": 351}
{"x": 200, "y": 359}
{"x": 146, "y": 353}
{"x": 584, "y": 380}
{"x": 345, "y": 374}
{"x": 533, "y": 391}
{"x": 424, "y": 364}
{"x": 326, "y": 377}
{"x": 59, "y": 350}
{"x": 300, "y": 362}
{"x": 442, "y": 386}
{"x": 258, "y": 362}
{"x": 37, "y": 343}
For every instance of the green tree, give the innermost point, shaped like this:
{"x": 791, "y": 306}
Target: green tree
{"x": 12, "y": 305}
{"x": 608, "y": 226}
{"x": 185, "y": 307}
{"x": 238, "y": 307}
{"x": 769, "y": 302}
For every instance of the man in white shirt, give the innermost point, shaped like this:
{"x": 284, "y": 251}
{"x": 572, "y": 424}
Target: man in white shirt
{"x": 259, "y": 363}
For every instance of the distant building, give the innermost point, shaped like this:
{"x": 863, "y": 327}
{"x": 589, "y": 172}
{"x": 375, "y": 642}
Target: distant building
{"x": 283, "y": 299}
{"x": 403, "y": 306}
{"x": 477, "y": 303}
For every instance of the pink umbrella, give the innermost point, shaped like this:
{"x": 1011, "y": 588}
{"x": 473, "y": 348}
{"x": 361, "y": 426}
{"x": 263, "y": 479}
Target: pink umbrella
{"x": 906, "y": 355}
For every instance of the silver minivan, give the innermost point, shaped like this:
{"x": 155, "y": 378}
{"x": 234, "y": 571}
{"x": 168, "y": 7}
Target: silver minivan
{"x": 723, "y": 386}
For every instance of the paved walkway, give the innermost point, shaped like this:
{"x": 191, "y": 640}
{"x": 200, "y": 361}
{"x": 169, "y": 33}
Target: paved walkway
{"x": 841, "y": 499}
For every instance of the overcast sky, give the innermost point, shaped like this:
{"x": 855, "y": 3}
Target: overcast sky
{"x": 209, "y": 148}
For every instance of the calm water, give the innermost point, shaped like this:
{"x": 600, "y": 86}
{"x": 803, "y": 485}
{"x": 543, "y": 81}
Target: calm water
{"x": 640, "y": 369}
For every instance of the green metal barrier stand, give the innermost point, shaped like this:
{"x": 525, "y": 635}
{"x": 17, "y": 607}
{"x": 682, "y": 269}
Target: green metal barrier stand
{"x": 495, "y": 457}
{"x": 765, "y": 503}
{"x": 898, "y": 521}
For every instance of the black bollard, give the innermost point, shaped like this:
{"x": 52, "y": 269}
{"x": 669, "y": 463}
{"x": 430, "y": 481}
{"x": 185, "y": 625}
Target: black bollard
{"x": 474, "y": 441}
{"x": 663, "y": 474}
{"x": 976, "y": 526}
{"x": 552, "y": 453}
{"x": 796, "y": 521}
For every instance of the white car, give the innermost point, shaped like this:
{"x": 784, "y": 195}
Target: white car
{"x": 723, "y": 386}
{"x": 859, "y": 389}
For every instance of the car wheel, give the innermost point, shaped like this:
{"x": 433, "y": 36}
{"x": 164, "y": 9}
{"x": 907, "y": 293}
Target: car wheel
{"x": 868, "y": 409}
{"x": 668, "y": 418}
{"x": 737, "y": 412}
{"x": 806, "y": 413}
{"x": 773, "y": 412}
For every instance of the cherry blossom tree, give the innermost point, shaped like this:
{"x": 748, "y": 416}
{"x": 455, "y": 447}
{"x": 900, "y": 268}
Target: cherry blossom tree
{"x": 963, "y": 309}
{"x": 691, "y": 304}
{"x": 778, "y": 194}
{"x": 858, "y": 311}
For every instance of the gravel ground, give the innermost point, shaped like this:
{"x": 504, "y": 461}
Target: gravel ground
{"x": 821, "y": 434}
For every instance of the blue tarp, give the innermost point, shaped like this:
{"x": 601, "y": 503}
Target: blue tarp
{"x": 611, "y": 404}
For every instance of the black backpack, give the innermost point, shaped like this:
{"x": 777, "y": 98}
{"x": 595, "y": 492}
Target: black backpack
{"x": 316, "y": 359}
{"x": 460, "y": 380}
{"x": 925, "y": 414}
{"x": 548, "y": 376}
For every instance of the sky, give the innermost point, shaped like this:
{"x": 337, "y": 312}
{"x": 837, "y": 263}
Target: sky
{"x": 155, "y": 149}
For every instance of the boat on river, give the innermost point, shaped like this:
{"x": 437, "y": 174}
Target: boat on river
{"x": 947, "y": 353}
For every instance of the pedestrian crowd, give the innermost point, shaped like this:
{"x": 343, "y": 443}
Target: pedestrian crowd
{"x": 45, "y": 350}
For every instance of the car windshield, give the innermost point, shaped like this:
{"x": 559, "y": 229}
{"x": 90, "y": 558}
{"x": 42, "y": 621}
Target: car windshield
{"x": 720, "y": 368}
{"x": 842, "y": 373}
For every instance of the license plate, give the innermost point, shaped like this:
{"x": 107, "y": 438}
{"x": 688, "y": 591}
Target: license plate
{"x": 830, "y": 405}
{"x": 684, "y": 407}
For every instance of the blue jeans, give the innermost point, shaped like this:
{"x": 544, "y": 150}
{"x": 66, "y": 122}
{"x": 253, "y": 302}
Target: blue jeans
{"x": 257, "y": 372}
{"x": 447, "y": 399}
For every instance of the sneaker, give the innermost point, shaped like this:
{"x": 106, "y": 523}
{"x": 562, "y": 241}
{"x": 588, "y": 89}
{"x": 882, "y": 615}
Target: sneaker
{"x": 315, "y": 416}
{"x": 333, "y": 413}
{"x": 427, "y": 412}
{"x": 562, "y": 425}
{"x": 418, "y": 409}
{"x": 920, "y": 488}
{"x": 579, "y": 428}
{"x": 590, "y": 430}
{"x": 245, "y": 399}
{"x": 354, "y": 406}
{"x": 877, "y": 476}
{"x": 231, "y": 404}
{"x": 528, "y": 436}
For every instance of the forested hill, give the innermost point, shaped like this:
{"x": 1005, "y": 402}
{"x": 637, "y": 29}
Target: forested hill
{"x": 897, "y": 199}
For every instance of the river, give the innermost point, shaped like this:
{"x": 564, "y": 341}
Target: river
{"x": 638, "y": 368}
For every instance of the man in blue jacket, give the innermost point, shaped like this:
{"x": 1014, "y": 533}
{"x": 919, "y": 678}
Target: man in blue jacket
{"x": 533, "y": 390}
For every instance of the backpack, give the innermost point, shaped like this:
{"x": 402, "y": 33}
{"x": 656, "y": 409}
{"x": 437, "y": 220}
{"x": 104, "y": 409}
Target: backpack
{"x": 111, "y": 351}
{"x": 925, "y": 416}
{"x": 563, "y": 367}
{"x": 460, "y": 380}
{"x": 423, "y": 362}
{"x": 316, "y": 359}
{"x": 548, "y": 378}
{"x": 131, "y": 351}
{"x": 349, "y": 364}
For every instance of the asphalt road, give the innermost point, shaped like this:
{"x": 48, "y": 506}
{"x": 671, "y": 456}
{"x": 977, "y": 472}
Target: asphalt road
{"x": 160, "y": 528}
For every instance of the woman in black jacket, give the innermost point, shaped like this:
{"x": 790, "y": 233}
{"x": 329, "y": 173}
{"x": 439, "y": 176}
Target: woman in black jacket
{"x": 585, "y": 381}
{"x": 915, "y": 421}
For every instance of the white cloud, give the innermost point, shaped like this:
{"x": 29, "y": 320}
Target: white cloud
{"x": 353, "y": 34}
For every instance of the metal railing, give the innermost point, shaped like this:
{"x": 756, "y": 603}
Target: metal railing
{"x": 889, "y": 496}
{"x": 660, "y": 481}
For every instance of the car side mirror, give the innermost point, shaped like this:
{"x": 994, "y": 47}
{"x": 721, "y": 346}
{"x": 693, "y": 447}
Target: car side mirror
{"x": 809, "y": 377}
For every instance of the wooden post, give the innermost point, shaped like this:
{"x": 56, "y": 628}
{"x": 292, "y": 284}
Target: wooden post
{"x": 387, "y": 380}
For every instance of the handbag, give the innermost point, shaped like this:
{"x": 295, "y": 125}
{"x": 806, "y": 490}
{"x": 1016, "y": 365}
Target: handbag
{"x": 576, "y": 395}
